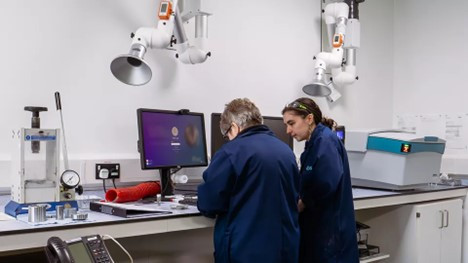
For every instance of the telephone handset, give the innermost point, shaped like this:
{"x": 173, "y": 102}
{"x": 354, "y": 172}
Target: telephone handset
{"x": 57, "y": 251}
{"x": 88, "y": 249}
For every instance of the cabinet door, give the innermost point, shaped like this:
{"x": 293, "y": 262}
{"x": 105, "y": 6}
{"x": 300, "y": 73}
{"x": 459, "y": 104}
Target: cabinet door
{"x": 452, "y": 232}
{"x": 428, "y": 226}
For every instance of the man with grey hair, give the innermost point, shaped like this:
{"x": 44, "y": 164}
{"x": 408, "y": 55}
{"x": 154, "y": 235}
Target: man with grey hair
{"x": 251, "y": 188}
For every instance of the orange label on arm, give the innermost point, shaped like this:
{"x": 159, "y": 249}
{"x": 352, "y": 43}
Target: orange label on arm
{"x": 337, "y": 40}
{"x": 165, "y": 10}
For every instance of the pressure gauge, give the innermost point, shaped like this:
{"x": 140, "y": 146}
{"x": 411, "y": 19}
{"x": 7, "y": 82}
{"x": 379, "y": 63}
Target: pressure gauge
{"x": 70, "y": 179}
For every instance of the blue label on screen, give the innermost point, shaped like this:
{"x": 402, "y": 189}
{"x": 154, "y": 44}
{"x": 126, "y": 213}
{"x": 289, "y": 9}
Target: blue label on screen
{"x": 173, "y": 140}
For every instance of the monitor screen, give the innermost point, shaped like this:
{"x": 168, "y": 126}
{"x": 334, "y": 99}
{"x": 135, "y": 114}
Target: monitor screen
{"x": 79, "y": 252}
{"x": 341, "y": 133}
{"x": 171, "y": 139}
{"x": 275, "y": 124}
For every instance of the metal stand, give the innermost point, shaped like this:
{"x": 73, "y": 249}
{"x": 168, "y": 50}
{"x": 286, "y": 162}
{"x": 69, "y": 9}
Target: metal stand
{"x": 167, "y": 187}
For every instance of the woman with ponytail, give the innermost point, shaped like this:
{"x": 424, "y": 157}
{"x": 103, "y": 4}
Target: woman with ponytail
{"x": 326, "y": 211}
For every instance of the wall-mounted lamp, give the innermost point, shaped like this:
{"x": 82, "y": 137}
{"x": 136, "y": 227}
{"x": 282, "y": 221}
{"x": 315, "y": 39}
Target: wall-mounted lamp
{"x": 342, "y": 58}
{"x": 132, "y": 69}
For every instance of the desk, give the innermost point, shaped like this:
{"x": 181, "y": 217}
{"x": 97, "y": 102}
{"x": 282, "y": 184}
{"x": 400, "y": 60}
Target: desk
{"x": 369, "y": 198}
{"x": 18, "y": 235}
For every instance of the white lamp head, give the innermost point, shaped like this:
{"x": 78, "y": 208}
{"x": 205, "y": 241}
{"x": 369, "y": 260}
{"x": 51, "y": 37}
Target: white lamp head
{"x": 130, "y": 68}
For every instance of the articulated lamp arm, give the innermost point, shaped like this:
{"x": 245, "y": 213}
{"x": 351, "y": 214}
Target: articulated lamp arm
{"x": 189, "y": 54}
{"x": 344, "y": 33}
{"x": 132, "y": 69}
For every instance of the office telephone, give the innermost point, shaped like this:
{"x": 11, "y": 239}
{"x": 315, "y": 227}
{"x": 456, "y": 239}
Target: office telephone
{"x": 87, "y": 249}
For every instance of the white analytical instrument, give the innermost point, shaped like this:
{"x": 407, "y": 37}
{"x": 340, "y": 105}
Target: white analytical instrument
{"x": 390, "y": 159}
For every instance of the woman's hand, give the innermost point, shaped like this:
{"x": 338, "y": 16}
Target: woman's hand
{"x": 300, "y": 206}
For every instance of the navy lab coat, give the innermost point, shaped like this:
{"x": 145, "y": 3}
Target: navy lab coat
{"x": 251, "y": 186}
{"x": 328, "y": 227}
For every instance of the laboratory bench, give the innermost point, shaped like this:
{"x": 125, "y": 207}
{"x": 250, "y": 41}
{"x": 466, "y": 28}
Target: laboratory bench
{"x": 18, "y": 236}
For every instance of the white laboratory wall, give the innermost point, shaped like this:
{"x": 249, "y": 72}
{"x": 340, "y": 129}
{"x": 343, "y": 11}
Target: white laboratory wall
{"x": 429, "y": 63}
{"x": 261, "y": 49}
{"x": 368, "y": 103}
{"x": 430, "y": 75}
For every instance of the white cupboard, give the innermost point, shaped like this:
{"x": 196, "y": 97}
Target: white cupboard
{"x": 417, "y": 233}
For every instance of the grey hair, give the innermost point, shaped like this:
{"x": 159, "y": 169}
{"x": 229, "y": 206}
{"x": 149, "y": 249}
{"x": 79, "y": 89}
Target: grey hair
{"x": 242, "y": 112}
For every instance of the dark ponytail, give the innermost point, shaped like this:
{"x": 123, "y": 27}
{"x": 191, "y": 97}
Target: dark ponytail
{"x": 305, "y": 106}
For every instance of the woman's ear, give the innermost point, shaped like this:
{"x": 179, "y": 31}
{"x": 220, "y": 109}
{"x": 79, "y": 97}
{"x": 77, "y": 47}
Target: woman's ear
{"x": 236, "y": 128}
{"x": 310, "y": 119}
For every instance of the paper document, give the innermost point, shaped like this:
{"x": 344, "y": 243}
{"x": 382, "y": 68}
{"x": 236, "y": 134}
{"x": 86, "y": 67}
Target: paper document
{"x": 5, "y": 217}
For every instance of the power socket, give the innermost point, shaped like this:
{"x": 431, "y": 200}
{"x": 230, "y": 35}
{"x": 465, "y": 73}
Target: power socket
{"x": 107, "y": 171}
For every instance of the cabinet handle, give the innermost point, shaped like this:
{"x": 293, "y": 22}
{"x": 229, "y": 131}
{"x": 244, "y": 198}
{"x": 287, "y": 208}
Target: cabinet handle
{"x": 447, "y": 218}
{"x": 441, "y": 219}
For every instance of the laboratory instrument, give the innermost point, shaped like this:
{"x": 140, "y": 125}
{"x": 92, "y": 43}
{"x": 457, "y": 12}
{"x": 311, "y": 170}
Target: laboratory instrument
{"x": 35, "y": 167}
{"x": 171, "y": 139}
{"x": 132, "y": 69}
{"x": 59, "y": 212}
{"x": 68, "y": 212}
{"x": 391, "y": 159}
{"x": 79, "y": 216}
{"x": 37, "y": 213}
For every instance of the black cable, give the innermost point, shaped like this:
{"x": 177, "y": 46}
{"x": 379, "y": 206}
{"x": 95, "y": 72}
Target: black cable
{"x": 175, "y": 171}
{"x": 164, "y": 187}
{"x": 113, "y": 182}
{"x": 104, "y": 185}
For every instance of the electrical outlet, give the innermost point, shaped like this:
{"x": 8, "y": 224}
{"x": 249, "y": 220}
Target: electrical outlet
{"x": 107, "y": 170}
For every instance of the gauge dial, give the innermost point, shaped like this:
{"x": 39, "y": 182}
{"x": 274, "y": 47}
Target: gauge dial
{"x": 70, "y": 179}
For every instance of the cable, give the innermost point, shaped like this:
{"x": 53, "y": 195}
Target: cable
{"x": 104, "y": 185}
{"x": 175, "y": 171}
{"x": 164, "y": 187}
{"x": 118, "y": 244}
{"x": 113, "y": 182}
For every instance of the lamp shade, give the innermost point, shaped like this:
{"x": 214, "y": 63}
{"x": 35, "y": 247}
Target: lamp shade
{"x": 130, "y": 68}
{"x": 317, "y": 89}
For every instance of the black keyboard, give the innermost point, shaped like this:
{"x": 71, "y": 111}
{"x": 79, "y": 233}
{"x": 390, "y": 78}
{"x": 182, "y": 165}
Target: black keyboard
{"x": 188, "y": 202}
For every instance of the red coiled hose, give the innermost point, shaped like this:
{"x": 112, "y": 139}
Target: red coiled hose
{"x": 134, "y": 193}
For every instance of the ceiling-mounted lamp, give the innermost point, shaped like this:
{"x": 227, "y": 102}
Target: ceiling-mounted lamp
{"x": 132, "y": 69}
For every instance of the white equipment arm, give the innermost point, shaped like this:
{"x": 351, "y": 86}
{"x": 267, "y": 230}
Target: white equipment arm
{"x": 344, "y": 34}
{"x": 133, "y": 70}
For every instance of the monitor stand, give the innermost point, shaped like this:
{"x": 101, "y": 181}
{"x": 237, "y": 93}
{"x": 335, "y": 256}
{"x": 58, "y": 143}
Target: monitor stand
{"x": 167, "y": 187}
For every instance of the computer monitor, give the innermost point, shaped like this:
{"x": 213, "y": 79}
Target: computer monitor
{"x": 340, "y": 131}
{"x": 276, "y": 125}
{"x": 170, "y": 139}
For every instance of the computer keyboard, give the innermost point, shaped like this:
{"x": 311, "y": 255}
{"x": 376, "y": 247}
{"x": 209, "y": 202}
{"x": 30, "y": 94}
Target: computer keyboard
{"x": 189, "y": 201}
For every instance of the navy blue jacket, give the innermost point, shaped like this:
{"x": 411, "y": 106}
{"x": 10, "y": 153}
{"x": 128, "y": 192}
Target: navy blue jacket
{"x": 251, "y": 186}
{"x": 328, "y": 227}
